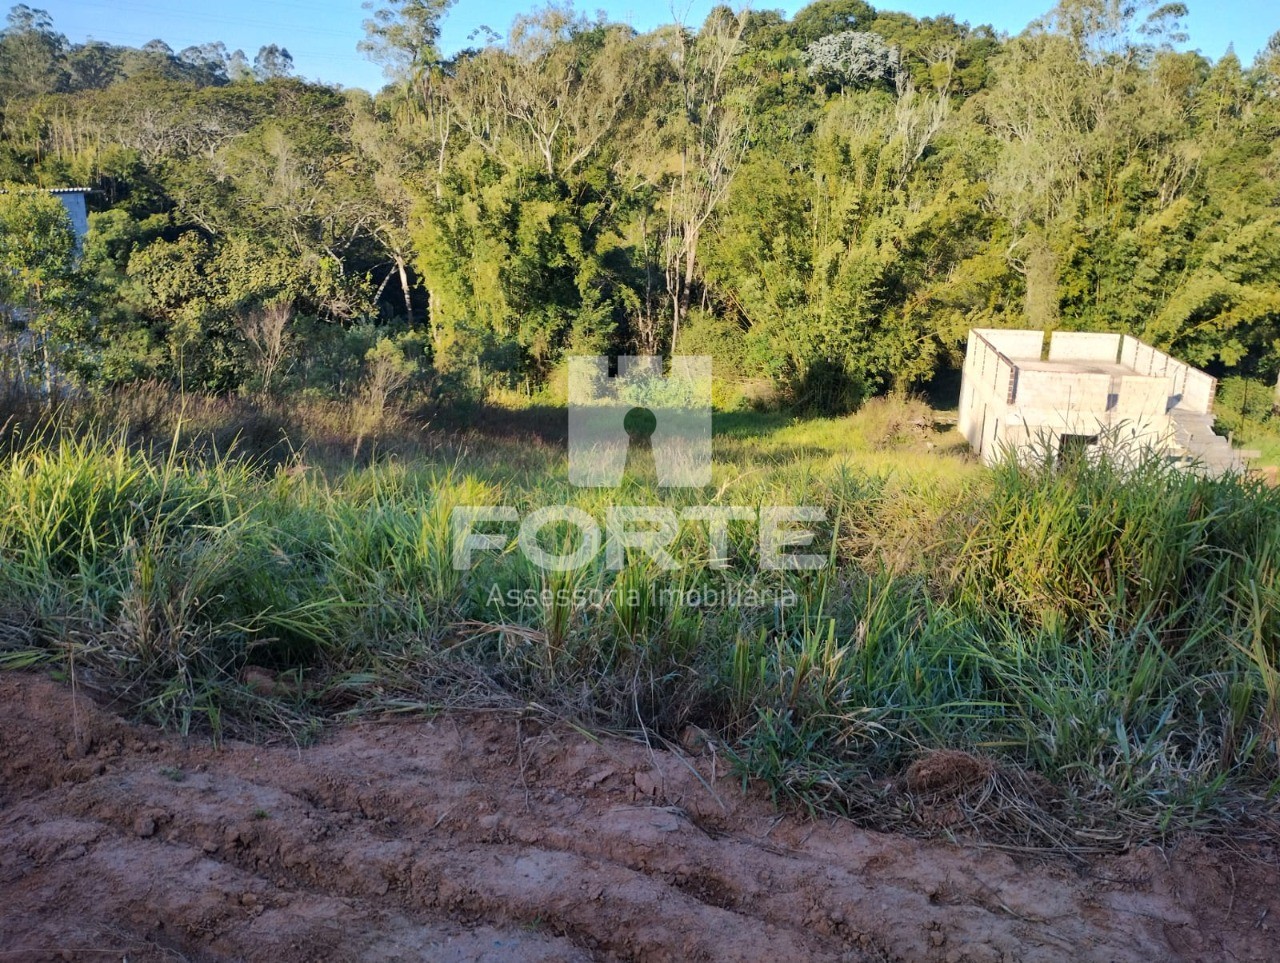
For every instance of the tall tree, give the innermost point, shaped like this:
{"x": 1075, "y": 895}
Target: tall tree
{"x": 39, "y": 284}
{"x": 402, "y": 35}
{"x": 32, "y": 54}
{"x": 710, "y": 130}
{"x": 272, "y": 62}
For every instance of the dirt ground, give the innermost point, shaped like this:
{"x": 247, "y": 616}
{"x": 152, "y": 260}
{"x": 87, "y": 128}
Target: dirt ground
{"x": 472, "y": 837}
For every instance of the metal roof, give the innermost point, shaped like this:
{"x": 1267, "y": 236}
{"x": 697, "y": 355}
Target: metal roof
{"x": 53, "y": 190}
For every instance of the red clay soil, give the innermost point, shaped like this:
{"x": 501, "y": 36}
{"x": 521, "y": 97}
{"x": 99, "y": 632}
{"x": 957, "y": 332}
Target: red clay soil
{"x": 472, "y": 837}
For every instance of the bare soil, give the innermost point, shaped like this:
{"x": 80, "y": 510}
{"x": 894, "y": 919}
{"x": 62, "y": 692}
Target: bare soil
{"x": 479, "y": 836}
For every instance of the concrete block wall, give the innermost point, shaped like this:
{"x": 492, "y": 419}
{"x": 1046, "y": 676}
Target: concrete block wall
{"x": 1129, "y": 350}
{"x": 966, "y": 387}
{"x": 1052, "y": 391}
{"x": 986, "y": 384}
{"x": 1140, "y": 410}
{"x": 1199, "y": 391}
{"x": 1015, "y": 344}
{"x": 1189, "y": 388}
{"x": 1140, "y": 397}
{"x": 1084, "y": 346}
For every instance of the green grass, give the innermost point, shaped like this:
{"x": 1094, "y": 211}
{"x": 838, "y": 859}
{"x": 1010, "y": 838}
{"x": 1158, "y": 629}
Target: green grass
{"x": 1113, "y": 633}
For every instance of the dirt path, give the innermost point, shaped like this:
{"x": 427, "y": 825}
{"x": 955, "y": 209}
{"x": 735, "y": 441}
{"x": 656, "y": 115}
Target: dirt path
{"x": 454, "y": 840}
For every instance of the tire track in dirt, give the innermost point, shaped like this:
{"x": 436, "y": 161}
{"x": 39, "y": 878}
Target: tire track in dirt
{"x": 458, "y": 839}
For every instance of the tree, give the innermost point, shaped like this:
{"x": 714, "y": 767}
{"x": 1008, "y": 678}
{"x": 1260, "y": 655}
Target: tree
{"x": 39, "y": 284}
{"x": 1267, "y": 66}
{"x": 389, "y": 147}
{"x": 711, "y": 132}
{"x": 1104, "y": 30}
{"x": 577, "y": 185}
{"x": 32, "y": 54}
{"x": 841, "y": 271}
{"x": 518, "y": 230}
{"x": 402, "y": 36}
{"x": 853, "y": 59}
{"x": 272, "y": 62}
{"x": 172, "y": 280}
{"x": 826, "y": 17}
{"x": 207, "y": 61}
{"x": 555, "y": 94}
{"x": 238, "y": 68}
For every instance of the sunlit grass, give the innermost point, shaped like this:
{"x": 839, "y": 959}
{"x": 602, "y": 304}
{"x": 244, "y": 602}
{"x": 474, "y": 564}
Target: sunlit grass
{"x": 1113, "y": 631}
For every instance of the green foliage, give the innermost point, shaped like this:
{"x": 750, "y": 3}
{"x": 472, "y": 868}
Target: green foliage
{"x": 852, "y": 58}
{"x": 579, "y": 187}
{"x": 41, "y": 288}
{"x": 37, "y": 250}
{"x": 403, "y": 35}
{"x": 575, "y": 186}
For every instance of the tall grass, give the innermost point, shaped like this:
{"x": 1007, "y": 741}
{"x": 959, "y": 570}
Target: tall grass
{"x": 1110, "y": 630}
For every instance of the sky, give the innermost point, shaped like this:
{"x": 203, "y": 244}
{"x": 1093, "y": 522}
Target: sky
{"x": 322, "y": 35}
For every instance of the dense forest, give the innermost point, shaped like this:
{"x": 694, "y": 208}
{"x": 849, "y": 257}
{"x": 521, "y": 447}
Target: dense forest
{"x": 826, "y": 202}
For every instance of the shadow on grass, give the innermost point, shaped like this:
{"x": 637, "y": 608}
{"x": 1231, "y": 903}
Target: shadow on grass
{"x": 549, "y": 424}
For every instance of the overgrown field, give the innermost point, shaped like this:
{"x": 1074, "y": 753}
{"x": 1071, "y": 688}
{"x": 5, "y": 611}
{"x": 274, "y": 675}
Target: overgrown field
{"x": 1103, "y": 644}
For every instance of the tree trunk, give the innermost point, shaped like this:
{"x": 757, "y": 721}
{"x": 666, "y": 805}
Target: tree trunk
{"x": 404, "y": 286}
{"x": 48, "y": 369}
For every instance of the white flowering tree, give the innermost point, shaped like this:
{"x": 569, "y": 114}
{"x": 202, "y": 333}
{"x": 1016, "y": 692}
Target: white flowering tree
{"x": 852, "y": 58}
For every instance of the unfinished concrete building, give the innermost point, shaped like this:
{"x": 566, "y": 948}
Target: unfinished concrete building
{"x": 1017, "y": 395}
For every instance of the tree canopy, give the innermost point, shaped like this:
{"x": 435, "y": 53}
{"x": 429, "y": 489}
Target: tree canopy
{"x": 828, "y": 201}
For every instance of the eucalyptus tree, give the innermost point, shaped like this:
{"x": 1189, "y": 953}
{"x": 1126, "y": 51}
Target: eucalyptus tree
{"x": 32, "y": 54}
{"x": 709, "y": 128}
{"x": 403, "y": 35}
{"x": 272, "y": 62}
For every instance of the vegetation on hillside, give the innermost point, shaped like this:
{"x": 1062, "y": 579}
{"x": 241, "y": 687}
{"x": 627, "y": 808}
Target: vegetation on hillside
{"x": 236, "y": 418}
{"x": 828, "y": 201}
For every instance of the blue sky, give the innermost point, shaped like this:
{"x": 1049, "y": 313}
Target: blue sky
{"x": 322, "y": 35}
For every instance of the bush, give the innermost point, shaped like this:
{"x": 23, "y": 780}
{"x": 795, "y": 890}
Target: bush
{"x": 824, "y": 387}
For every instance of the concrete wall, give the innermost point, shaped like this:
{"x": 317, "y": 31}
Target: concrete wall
{"x": 1199, "y": 392}
{"x": 1189, "y": 388}
{"x": 73, "y": 201}
{"x": 1004, "y": 405}
{"x": 1056, "y": 391}
{"x": 1141, "y": 397}
{"x": 1083, "y": 346}
{"x": 987, "y": 383}
{"x": 1128, "y": 351}
{"x": 1015, "y": 344}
